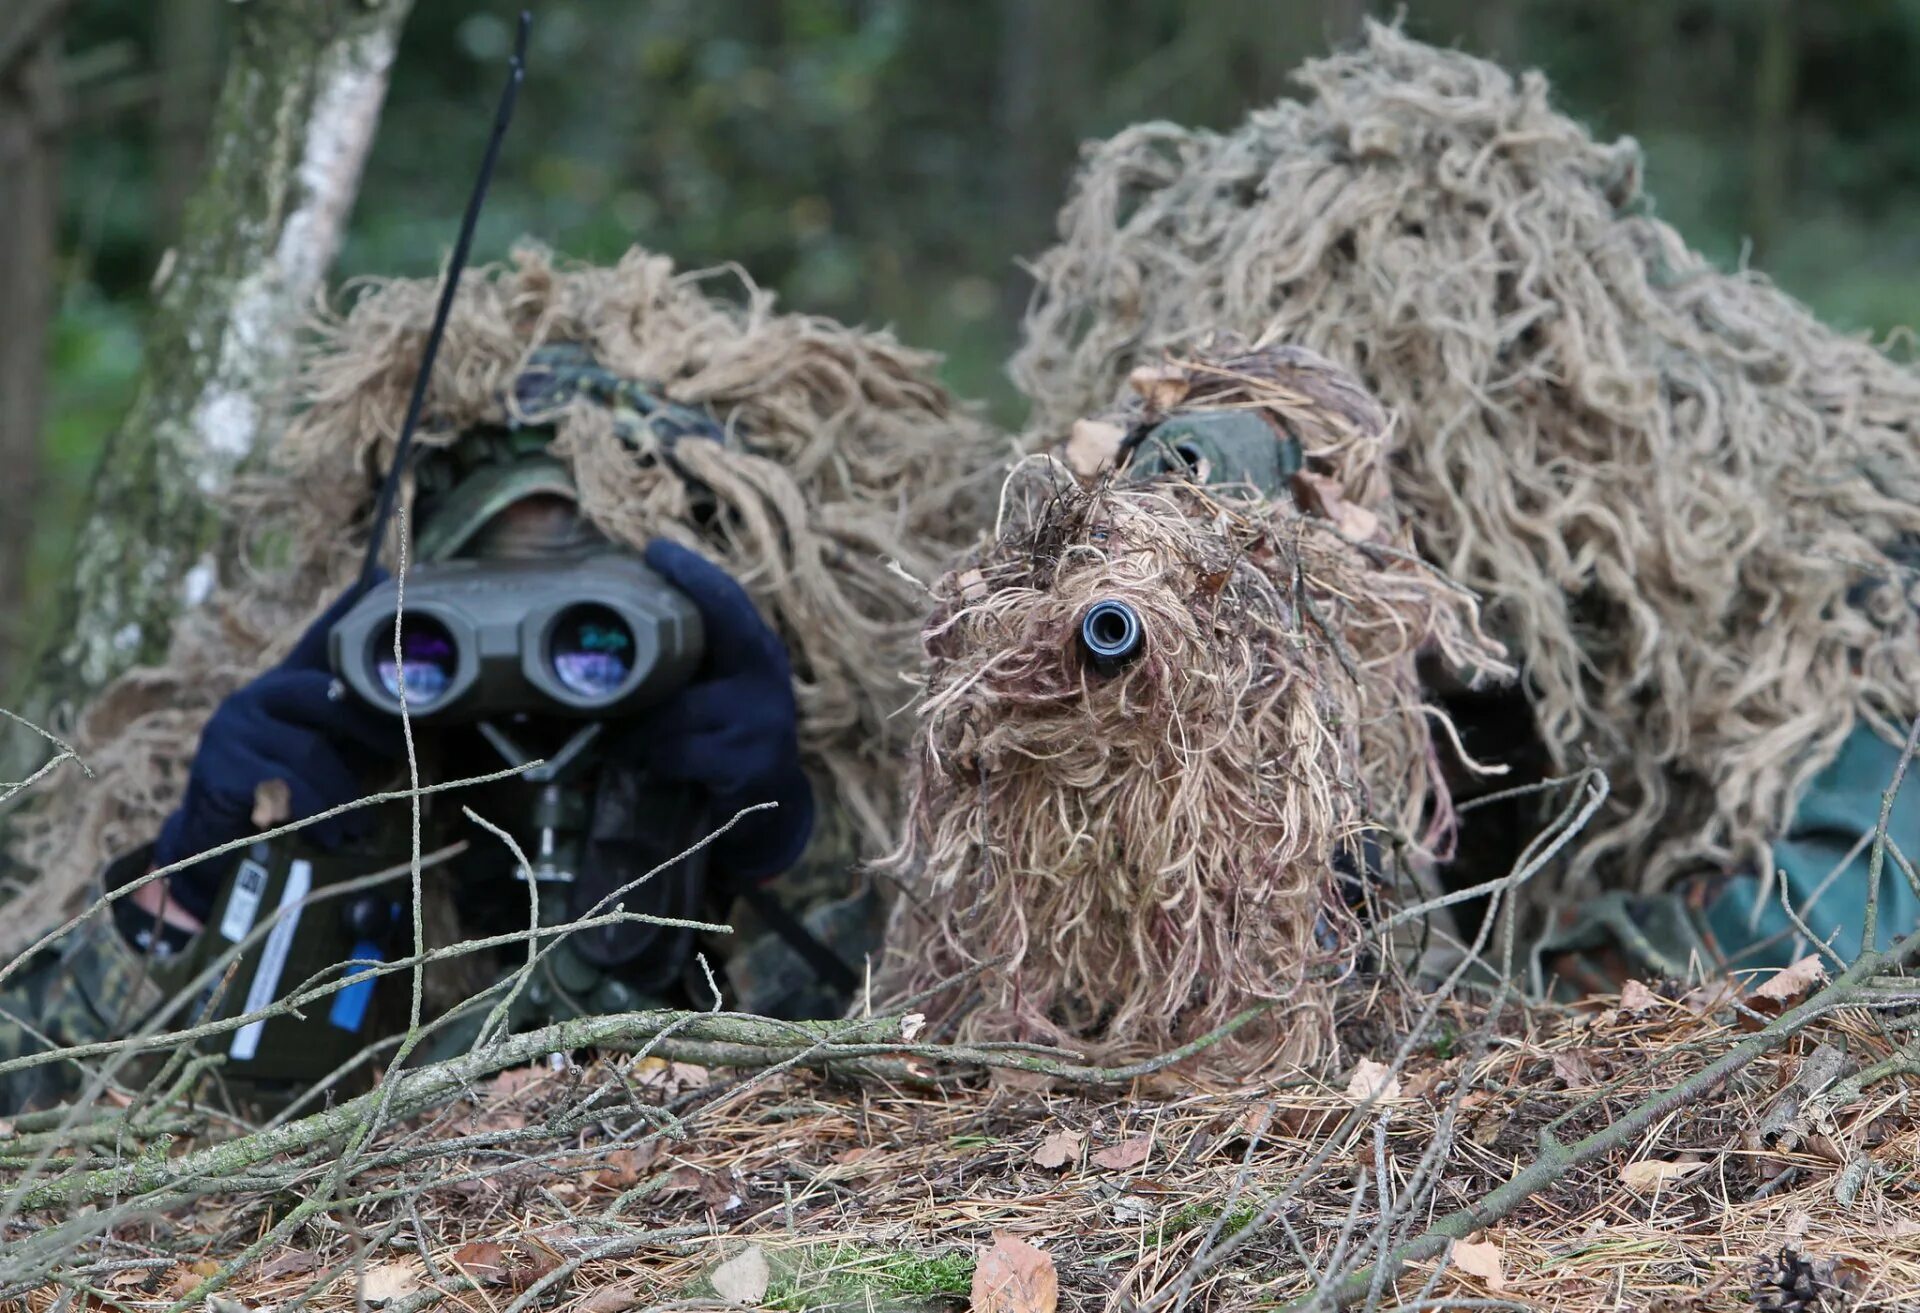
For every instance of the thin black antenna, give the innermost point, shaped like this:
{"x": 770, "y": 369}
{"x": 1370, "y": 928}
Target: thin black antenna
{"x": 390, "y": 489}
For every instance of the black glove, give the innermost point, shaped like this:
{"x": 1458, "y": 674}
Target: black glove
{"x": 734, "y": 731}
{"x": 281, "y": 726}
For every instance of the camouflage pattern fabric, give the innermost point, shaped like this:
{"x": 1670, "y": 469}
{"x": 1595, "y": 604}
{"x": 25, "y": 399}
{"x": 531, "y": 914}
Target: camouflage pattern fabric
{"x": 89, "y": 987}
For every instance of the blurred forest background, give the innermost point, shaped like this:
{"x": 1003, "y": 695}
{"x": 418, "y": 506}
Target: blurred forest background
{"x": 889, "y": 161}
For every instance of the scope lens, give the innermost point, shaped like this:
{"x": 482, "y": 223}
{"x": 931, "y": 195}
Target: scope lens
{"x": 592, "y": 650}
{"x": 427, "y": 659}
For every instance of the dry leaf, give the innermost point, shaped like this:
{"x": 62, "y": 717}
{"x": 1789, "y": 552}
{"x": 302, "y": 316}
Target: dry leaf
{"x": 1014, "y": 1277}
{"x": 185, "y": 1281}
{"x": 529, "y": 1261}
{"x": 1573, "y": 1069}
{"x": 224, "y": 1304}
{"x": 1650, "y": 1173}
{"x": 1092, "y": 445}
{"x": 973, "y": 585}
{"x": 1326, "y": 497}
{"x": 293, "y": 1263}
{"x": 1480, "y": 1260}
{"x": 389, "y": 1281}
{"x": 1789, "y": 983}
{"x": 1129, "y": 1153}
{"x": 743, "y": 1278}
{"x": 1162, "y": 386}
{"x": 610, "y": 1299}
{"x": 1636, "y": 997}
{"x": 512, "y": 1081}
{"x": 482, "y": 1260}
{"x": 1059, "y": 1149}
{"x": 1703, "y": 1000}
{"x": 627, "y": 1167}
{"x": 1371, "y": 1077}
{"x": 912, "y": 1024}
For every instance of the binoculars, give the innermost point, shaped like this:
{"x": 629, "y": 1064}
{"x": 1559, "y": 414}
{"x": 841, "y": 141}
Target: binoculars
{"x": 585, "y": 637}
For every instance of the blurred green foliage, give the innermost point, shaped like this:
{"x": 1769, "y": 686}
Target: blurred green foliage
{"x": 888, "y": 161}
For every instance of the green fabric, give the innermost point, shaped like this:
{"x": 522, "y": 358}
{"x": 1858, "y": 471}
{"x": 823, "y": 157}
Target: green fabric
{"x": 1738, "y": 922}
{"x": 1235, "y": 447}
{"x": 1826, "y": 886}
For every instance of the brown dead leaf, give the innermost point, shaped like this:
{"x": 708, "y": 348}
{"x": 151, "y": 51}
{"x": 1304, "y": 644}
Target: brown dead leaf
{"x": 482, "y": 1260}
{"x": 1328, "y": 499}
{"x": 973, "y": 586}
{"x": 616, "y": 1298}
{"x": 1091, "y": 447}
{"x": 1124, "y": 1156}
{"x": 1789, "y": 983}
{"x": 293, "y": 1263}
{"x": 1162, "y": 387}
{"x": 183, "y": 1283}
{"x": 1369, "y": 1078}
{"x": 514, "y": 1080}
{"x": 1574, "y": 1069}
{"x": 1059, "y": 1149}
{"x": 713, "y": 1190}
{"x": 386, "y": 1282}
{"x": 625, "y": 1168}
{"x": 1637, "y": 998}
{"x": 1480, "y": 1260}
{"x": 743, "y": 1279}
{"x": 1651, "y": 1173}
{"x": 1014, "y": 1277}
{"x": 1703, "y": 1000}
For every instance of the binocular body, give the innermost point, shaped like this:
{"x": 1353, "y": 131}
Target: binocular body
{"x": 586, "y": 637}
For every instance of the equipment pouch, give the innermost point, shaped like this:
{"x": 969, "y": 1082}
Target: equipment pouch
{"x": 639, "y": 827}
{"x": 303, "y": 930}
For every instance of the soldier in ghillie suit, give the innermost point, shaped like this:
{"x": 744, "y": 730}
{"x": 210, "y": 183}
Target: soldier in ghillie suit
{"x": 1173, "y": 725}
{"x": 1691, "y": 510}
{"x": 785, "y": 477}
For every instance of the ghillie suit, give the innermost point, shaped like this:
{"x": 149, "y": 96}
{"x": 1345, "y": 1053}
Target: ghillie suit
{"x": 1140, "y": 851}
{"x": 1683, "y": 498}
{"x": 839, "y": 454}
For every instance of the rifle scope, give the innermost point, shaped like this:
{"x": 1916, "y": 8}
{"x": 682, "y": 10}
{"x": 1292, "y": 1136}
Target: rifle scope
{"x": 1111, "y": 634}
{"x": 587, "y": 637}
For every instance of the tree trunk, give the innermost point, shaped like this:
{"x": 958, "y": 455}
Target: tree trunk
{"x": 188, "y": 44}
{"x": 29, "y": 250}
{"x": 295, "y": 118}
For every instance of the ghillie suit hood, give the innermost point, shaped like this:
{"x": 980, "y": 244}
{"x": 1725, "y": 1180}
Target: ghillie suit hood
{"x": 1136, "y": 856}
{"x": 843, "y": 463}
{"x": 1683, "y": 498}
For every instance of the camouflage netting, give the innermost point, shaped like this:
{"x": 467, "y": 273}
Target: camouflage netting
{"x": 1681, "y": 495}
{"x": 845, "y": 462}
{"x": 1139, "y": 855}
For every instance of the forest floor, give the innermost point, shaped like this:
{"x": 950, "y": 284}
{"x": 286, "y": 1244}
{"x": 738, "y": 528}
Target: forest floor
{"x": 708, "y": 1188}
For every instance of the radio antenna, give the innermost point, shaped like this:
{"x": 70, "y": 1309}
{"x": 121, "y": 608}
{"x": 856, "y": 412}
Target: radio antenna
{"x": 503, "y": 115}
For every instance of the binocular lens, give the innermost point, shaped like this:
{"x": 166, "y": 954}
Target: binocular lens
{"x": 592, "y": 651}
{"x": 427, "y": 660}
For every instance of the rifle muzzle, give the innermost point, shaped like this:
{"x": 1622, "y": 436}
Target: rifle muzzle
{"x": 1111, "y": 635}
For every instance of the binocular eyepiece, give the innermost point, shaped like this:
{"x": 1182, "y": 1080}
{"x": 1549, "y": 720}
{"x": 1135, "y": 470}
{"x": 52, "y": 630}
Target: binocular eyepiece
{"x": 587, "y": 637}
{"x": 1111, "y": 634}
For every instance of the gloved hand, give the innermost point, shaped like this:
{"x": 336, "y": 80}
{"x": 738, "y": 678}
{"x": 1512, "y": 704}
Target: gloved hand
{"x": 734, "y": 730}
{"x": 281, "y": 726}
